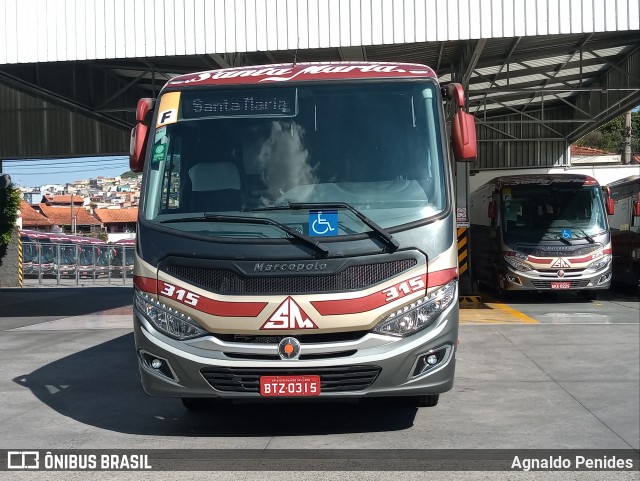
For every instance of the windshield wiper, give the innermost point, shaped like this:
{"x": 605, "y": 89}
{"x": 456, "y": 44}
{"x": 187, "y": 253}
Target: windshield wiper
{"x": 382, "y": 234}
{"x": 586, "y": 236}
{"x": 320, "y": 248}
{"x": 563, "y": 239}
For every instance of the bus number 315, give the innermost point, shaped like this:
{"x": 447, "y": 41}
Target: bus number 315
{"x": 181, "y": 295}
{"x": 404, "y": 288}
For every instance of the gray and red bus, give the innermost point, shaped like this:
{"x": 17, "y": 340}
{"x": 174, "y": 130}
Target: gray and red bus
{"x": 296, "y": 236}
{"x": 541, "y": 232}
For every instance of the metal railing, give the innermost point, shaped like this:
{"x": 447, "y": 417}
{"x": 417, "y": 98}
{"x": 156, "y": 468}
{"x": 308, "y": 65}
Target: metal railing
{"x": 48, "y": 263}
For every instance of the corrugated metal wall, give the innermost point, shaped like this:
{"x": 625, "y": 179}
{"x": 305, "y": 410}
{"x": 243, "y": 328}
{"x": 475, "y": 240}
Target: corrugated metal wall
{"x": 60, "y": 30}
{"x": 514, "y": 141}
{"x": 34, "y": 126}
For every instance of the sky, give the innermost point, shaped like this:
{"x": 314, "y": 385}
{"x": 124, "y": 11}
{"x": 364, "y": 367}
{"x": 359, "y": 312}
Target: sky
{"x": 38, "y": 172}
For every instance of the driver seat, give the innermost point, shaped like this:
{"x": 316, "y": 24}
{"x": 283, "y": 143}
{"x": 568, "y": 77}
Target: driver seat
{"x": 215, "y": 187}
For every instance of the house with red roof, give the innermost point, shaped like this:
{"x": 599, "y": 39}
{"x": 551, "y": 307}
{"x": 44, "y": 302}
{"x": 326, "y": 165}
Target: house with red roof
{"x": 117, "y": 222}
{"x": 71, "y": 217}
{"x": 32, "y": 219}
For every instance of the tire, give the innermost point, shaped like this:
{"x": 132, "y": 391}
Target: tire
{"x": 426, "y": 400}
{"x": 500, "y": 292}
{"x": 196, "y": 403}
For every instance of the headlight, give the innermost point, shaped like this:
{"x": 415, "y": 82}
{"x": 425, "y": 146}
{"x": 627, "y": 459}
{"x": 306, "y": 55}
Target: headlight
{"x": 167, "y": 320}
{"x": 419, "y": 314}
{"x": 516, "y": 264}
{"x": 599, "y": 264}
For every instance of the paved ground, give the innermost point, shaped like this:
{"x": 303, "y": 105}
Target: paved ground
{"x": 537, "y": 372}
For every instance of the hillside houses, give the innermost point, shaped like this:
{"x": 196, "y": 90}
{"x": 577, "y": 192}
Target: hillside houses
{"x": 107, "y": 205}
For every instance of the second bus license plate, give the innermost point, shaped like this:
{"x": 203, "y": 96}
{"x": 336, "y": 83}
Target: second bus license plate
{"x": 290, "y": 386}
{"x": 560, "y": 285}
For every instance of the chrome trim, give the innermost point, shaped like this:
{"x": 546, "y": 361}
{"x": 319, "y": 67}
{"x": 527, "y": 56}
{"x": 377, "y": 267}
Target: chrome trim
{"x": 368, "y": 341}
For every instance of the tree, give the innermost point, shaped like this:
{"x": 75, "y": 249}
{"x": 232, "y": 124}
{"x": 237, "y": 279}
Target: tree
{"x": 129, "y": 174}
{"x": 610, "y": 136}
{"x": 9, "y": 205}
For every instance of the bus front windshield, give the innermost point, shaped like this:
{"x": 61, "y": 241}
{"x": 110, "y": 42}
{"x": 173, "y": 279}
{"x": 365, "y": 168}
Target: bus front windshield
{"x": 536, "y": 212}
{"x": 251, "y": 152}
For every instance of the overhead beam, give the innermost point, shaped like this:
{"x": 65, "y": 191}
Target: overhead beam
{"x": 469, "y": 64}
{"x": 353, "y": 54}
{"x": 57, "y": 99}
{"x": 559, "y": 68}
{"x": 610, "y": 103}
{"x": 219, "y": 59}
{"x": 615, "y": 67}
{"x": 524, "y": 54}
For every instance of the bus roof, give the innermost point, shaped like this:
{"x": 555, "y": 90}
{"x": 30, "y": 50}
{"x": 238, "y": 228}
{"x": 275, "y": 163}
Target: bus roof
{"x": 543, "y": 179}
{"x": 308, "y": 71}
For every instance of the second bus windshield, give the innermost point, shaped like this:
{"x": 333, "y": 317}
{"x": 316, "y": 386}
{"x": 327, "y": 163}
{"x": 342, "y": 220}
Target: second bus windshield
{"x": 543, "y": 211}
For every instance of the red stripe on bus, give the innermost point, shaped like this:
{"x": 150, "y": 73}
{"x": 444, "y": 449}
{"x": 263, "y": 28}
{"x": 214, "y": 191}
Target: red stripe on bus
{"x": 146, "y": 284}
{"x": 229, "y": 309}
{"x": 537, "y": 260}
{"x": 379, "y": 299}
{"x": 579, "y": 260}
{"x": 440, "y": 278}
{"x": 204, "y": 304}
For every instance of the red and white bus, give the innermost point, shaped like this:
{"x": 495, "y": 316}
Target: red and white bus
{"x": 296, "y": 235}
{"x": 124, "y": 254}
{"x": 38, "y": 253}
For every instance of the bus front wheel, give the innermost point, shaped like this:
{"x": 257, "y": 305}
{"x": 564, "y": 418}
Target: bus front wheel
{"x": 426, "y": 400}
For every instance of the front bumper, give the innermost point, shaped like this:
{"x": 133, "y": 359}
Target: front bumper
{"x": 514, "y": 280}
{"x": 182, "y": 361}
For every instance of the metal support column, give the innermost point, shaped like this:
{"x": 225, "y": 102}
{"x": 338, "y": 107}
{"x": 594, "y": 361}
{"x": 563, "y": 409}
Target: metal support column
{"x": 462, "y": 227}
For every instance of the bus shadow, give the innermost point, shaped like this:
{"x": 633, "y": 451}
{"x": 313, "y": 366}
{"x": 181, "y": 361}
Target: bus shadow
{"x": 100, "y": 387}
{"x": 62, "y": 302}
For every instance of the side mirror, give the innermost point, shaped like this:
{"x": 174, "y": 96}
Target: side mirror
{"x": 140, "y": 135}
{"x": 608, "y": 202}
{"x": 492, "y": 211}
{"x": 463, "y": 131}
{"x": 463, "y": 127}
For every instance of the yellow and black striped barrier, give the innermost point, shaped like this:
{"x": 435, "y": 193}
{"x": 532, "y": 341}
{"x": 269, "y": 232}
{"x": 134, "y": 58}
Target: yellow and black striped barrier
{"x": 20, "y": 273}
{"x": 463, "y": 250}
{"x": 469, "y": 300}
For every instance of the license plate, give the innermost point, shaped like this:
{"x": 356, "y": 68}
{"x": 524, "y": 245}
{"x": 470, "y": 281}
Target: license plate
{"x": 289, "y": 386}
{"x": 560, "y": 285}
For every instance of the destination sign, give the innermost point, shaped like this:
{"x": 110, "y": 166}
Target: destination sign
{"x": 239, "y": 103}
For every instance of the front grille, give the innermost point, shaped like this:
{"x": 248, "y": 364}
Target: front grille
{"x": 303, "y": 357}
{"x": 303, "y": 338}
{"x": 547, "y": 284}
{"x": 332, "y": 379}
{"x": 569, "y": 251}
{"x": 225, "y": 281}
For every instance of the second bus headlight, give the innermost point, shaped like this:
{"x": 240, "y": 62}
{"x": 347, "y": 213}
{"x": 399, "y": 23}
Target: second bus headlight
{"x": 517, "y": 264}
{"x": 419, "y": 314}
{"x": 601, "y": 263}
{"x": 166, "y": 320}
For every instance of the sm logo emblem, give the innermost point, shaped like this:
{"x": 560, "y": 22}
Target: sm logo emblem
{"x": 289, "y": 315}
{"x": 561, "y": 263}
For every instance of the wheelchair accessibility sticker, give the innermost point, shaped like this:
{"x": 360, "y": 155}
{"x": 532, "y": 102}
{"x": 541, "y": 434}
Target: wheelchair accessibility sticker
{"x": 566, "y": 233}
{"x": 323, "y": 222}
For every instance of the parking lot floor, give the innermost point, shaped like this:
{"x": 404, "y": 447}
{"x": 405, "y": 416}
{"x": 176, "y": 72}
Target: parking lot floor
{"x": 530, "y": 374}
